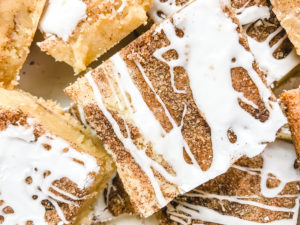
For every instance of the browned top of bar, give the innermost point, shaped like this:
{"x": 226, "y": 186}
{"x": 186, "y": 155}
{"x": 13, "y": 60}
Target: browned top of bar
{"x": 262, "y": 28}
{"x": 195, "y": 129}
{"x": 243, "y": 183}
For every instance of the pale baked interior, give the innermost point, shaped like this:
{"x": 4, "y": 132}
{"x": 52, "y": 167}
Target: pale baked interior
{"x": 19, "y": 20}
{"x": 101, "y": 30}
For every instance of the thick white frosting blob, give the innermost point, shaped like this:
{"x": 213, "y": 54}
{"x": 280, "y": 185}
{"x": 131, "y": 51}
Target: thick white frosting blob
{"x": 251, "y": 14}
{"x": 62, "y": 16}
{"x": 21, "y": 157}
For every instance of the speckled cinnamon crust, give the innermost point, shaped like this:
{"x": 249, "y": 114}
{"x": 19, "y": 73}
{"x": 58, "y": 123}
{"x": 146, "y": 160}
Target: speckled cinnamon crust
{"x": 100, "y": 31}
{"x": 288, "y": 13}
{"x": 16, "y": 107}
{"x": 19, "y": 20}
{"x": 291, "y": 100}
{"x": 258, "y": 30}
{"x": 262, "y": 28}
{"x": 195, "y": 129}
{"x": 236, "y": 182}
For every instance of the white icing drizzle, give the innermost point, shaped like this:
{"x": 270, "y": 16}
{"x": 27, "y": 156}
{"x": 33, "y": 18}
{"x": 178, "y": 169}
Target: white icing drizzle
{"x": 162, "y": 9}
{"x": 62, "y": 16}
{"x": 24, "y": 157}
{"x": 140, "y": 156}
{"x": 278, "y": 159}
{"x": 274, "y": 68}
{"x": 83, "y": 120}
{"x": 199, "y": 52}
{"x": 280, "y": 163}
{"x": 251, "y": 14}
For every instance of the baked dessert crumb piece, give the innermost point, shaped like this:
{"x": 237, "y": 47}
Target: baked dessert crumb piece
{"x": 291, "y": 100}
{"x": 153, "y": 104}
{"x": 79, "y": 31}
{"x": 288, "y": 13}
{"x": 19, "y": 20}
{"x": 52, "y": 168}
{"x": 259, "y": 190}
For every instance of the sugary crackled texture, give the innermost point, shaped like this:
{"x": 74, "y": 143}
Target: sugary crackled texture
{"x": 98, "y": 26}
{"x": 291, "y": 99}
{"x": 114, "y": 200}
{"x": 268, "y": 41}
{"x": 178, "y": 106}
{"x": 19, "y": 20}
{"x": 259, "y": 190}
{"x": 46, "y": 178}
{"x": 288, "y": 13}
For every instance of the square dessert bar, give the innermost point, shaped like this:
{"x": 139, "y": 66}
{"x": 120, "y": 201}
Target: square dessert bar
{"x": 51, "y": 168}
{"x": 77, "y": 32}
{"x": 291, "y": 100}
{"x": 259, "y": 190}
{"x": 19, "y": 20}
{"x": 179, "y": 105}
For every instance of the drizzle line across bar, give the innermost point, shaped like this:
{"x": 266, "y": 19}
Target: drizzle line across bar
{"x": 154, "y": 104}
